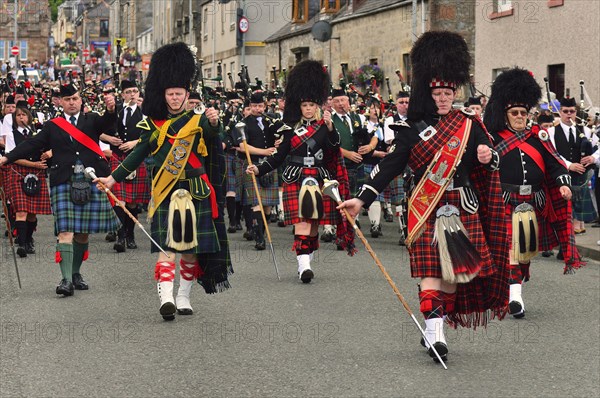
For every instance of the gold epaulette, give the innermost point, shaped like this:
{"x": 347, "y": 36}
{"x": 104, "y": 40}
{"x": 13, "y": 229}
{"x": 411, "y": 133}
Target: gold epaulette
{"x": 143, "y": 124}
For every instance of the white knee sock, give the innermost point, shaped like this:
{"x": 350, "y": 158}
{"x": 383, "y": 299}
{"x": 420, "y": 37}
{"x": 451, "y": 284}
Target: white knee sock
{"x": 375, "y": 213}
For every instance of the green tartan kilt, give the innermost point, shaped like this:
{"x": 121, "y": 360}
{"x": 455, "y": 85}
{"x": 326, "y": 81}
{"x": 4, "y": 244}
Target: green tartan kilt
{"x": 206, "y": 233}
{"x": 269, "y": 196}
{"x": 96, "y": 216}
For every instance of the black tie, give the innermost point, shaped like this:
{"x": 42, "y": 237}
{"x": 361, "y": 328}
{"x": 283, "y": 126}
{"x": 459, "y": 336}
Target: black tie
{"x": 25, "y": 132}
{"x": 571, "y": 136}
{"x": 73, "y": 120}
{"x": 127, "y": 115}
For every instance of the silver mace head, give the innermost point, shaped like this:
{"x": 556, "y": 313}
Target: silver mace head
{"x": 330, "y": 188}
{"x": 90, "y": 172}
{"x": 241, "y": 127}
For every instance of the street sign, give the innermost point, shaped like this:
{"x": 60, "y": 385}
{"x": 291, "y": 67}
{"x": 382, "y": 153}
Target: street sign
{"x": 244, "y": 24}
{"x": 86, "y": 53}
{"x": 14, "y": 50}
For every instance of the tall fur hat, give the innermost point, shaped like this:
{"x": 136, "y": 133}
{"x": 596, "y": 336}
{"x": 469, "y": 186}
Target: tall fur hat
{"x": 438, "y": 59}
{"x": 514, "y": 88}
{"x": 171, "y": 66}
{"x": 307, "y": 81}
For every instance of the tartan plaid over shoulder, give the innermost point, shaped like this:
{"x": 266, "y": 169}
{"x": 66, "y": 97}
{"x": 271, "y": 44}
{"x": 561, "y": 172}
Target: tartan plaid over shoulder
{"x": 558, "y": 212}
{"x": 483, "y": 298}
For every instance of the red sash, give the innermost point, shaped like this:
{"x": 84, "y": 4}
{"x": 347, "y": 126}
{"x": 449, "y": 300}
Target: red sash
{"x": 438, "y": 176}
{"x": 78, "y": 136}
{"x": 298, "y": 140}
{"x": 525, "y": 147}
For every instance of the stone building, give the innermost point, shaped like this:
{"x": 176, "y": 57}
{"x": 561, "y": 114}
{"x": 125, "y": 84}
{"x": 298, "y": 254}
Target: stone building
{"x": 33, "y": 31}
{"x": 557, "y": 39}
{"x": 369, "y": 32}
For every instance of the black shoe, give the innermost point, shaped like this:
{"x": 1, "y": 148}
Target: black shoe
{"x": 79, "y": 283}
{"x": 375, "y": 231}
{"x": 260, "y": 245}
{"x": 548, "y": 253}
{"x": 185, "y": 311}
{"x": 516, "y": 309}
{"x": 21, "y": 251}
{"x": 167, "y": 310}
{"x": 442, "y": 350}
{"x": 388, "y": 216}
{"x": 307, "y": 275}
{"x": 559, "y": 256}
{"x": 327, "y": 236}
{"x": 401, "y": 242}
{"x": 131, "y": 243}
{"x": 596, "y": 225}
{"x": 248, "y": 235}
{"x": 30, "y": 248}
{"x": 65, "y": 288}
{"x": 273, "y": 218}
{"x": 238, "y": 227}
{"x": 339, "y": 247}
{"x": 119, "y": 247}
{"x": 231, "y": 229}
{"x": 110, "y": 237}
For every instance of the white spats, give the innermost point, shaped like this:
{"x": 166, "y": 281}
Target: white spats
{"x": 434, "y": 330}
{"x": 167, "y": 304}
{"x": 184, "y": 306}
{"x": 305, "y": 273}
{"x": 515, "y": 302}
{"x": 375, "y": 212}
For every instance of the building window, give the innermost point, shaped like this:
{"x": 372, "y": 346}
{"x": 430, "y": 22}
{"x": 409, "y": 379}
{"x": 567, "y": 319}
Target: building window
{"x": 503, "y": 5}
{"x": 23, "y": 46}
{"x": 556, "y": 79}
{"x": 555, "y": 3}
{"x": 407, "y": 69}
{"x": 502, "y": 8}
{"x": 300, "y": 11}
{"x": 2, "y": 50}
{"x": 497, "y": 72}
{"x": 330, "y": 5}
{"x": 104, "y": 28}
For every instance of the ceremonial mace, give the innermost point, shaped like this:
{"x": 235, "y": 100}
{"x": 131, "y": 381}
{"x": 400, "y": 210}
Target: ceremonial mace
{"x": 241, "y": 128}
{"x": 91, "y": 173}
{"x": 9, "y": 230}
{"x": 330, "y": 188}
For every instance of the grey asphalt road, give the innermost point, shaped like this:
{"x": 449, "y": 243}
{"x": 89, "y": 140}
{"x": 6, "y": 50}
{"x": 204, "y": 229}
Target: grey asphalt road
{"x": 345, "y": 334}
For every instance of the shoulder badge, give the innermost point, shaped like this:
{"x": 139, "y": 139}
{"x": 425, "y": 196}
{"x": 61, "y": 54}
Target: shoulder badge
{"x": 143, "y": 124}
{"x": 468, "y": 111}
{"x": 543, "y": 135}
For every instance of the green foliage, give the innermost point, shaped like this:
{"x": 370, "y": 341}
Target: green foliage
{"x": 53, "y": 4}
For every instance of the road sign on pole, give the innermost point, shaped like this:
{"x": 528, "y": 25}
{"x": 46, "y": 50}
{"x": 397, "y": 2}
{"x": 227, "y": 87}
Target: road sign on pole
{"x": 86, "y": 53}
{"x": 14, "y": 50}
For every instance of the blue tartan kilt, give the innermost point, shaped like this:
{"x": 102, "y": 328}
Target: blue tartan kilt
{"x": 356, "y": 176}
{"x": 269, "y": 196}
{"x": 96, "y": 216}
{"x": 234, "y": 174}
{"x": 368, "y": 169}
{"x": 206, "y": 233}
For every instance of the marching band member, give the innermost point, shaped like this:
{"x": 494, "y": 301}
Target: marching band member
{"x": 535, "y": 181}
{"x": 79, "y": 208}
{"x": 312, "y": 146}
{"x": 186, "y": 185}
{"x": 456, "y": 213}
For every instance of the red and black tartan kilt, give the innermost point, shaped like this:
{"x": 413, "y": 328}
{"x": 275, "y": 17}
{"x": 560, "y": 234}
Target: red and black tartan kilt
{"x": 291, "y": 203}
{"x": 38, "y": 204}
{"x": 424, "y": 255}
{"x": 132, "y": 191}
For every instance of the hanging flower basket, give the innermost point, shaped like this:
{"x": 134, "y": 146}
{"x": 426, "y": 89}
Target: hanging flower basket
{"x": 362, "y": 76}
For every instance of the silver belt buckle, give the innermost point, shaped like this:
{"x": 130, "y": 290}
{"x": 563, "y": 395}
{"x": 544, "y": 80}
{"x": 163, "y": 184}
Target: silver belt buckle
{"x": 524, "y": 189}
{"x": 78, "y": 168}
{"x": 309, "y": 161}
